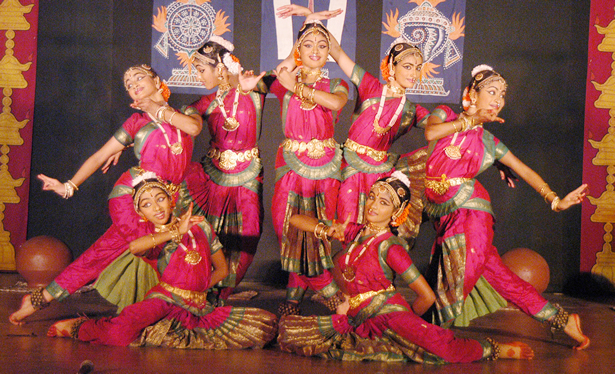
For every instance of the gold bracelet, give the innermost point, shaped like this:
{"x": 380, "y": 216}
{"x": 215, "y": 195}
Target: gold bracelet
{"x": 454, "y": 123}
{"x": 318, "y": 228}
{"x": 554, "y": 204}
{"x": 311, "y": 95}
{"x": 175, "y": 235}
{"x": 542, "y": 188}
{"x": 242, "y": 91}
{"x": 549, "y": 193}
{"x": 73, "y": 184}
{"x": 171, "y": 118}
{"x": 160, "y": 112}
{"x": 153, "y": 239}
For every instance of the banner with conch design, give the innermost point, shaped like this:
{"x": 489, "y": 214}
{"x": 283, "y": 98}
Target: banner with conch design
{"x": 437, "y": 27}
{"x": 278, "y": 35}
{"x": 181, "y": 27}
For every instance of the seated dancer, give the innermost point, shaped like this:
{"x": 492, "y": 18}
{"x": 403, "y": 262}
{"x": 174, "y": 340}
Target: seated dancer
{"x": 176, "y": 312}
{"x": 162, "y": 139}
{"x": 380, "y": 324}
{"x": 464, "y": 259}
{"x": 307, "y": 164}
{"x": 227, "y": 187}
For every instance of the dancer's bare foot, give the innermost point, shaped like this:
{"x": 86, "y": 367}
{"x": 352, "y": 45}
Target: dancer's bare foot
{"x": 516, "y": 351}
{"x": 25, "y": 309}
{"x": 573, "y": 329}
{"x": 62, "y": 329}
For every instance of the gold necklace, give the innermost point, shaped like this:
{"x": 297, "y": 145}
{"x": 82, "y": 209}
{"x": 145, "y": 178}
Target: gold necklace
{"x": 193, "y": 256}
{"x": 167, "y": 227}
{"x": 306, "y": 104}
{"x": 230, "y": 123}
{"x": 349, "y": 270}
{"x": 376, "y": 229}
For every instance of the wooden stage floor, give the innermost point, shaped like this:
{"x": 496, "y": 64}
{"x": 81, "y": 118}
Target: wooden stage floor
{"x": 26, "y": 349}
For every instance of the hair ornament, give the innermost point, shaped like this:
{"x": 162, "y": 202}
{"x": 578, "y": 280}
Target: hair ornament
{"x": 142, "y": 176}
{"x": 223, "y": 42}
{"x": 480, "y": 68}
{"x": 232, "y": 64}
{"x": 402, "y": 178}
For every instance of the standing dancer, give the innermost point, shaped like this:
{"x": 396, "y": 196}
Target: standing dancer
{"x": 382, "y": 115}
{"x": 162, "y": 139}
{"x": 380, "y": 324}
{"x": 307, "y": 165}
{"x": 230, "y": 192}
{"x": 176, "y": 312}
{"x": 460, "y": 149}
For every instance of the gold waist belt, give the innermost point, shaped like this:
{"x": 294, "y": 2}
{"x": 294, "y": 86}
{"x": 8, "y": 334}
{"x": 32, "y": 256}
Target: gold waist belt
{"x": 440, "y": 185}
{"x": 229, "y": 158}
{"x": 357, "y": 300}
{"x": 315, "y": 148}
{"x": 196, "y": 297}
{"x": 365, "y": 150}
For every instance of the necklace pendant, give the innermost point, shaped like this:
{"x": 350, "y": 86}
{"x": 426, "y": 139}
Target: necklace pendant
{"x": 380, "y": 130}
{"x": 192, "y": 257}
{"x": 348, "y": 274}
{"x": 230, "y": 124}
{"x": 453, "y": 152}
{"x": 177, "y": 148}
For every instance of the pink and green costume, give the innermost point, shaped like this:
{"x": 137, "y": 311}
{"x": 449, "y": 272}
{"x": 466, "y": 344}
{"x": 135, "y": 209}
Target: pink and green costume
{"x": 128, "y": 278}
{"x": 229, "y": 193}
{"x": 366, "y": 153}
{"x": 381, "y": 327}
{"x": 465, "y": 267}
{"x": 176, "y": 313}
{"x": 307, "y": 180}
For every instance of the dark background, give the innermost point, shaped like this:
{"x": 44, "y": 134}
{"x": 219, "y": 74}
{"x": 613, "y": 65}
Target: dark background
{"x": 539, "y": 46}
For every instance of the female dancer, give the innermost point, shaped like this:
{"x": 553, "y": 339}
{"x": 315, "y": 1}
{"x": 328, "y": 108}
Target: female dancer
{"x": 460, "y": 149}
{"x": 380, "y": 324}
{"x": 162, "y": 139}
{"x": 230, "y": 192}
{"x": 307, "y": 164}
{"x": 177, "y": 308}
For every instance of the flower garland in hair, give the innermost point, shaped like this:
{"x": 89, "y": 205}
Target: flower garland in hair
{"x": 405, "y": 207}
{"x": 402, "y": 178}
{"x": 144, "y": 175}
{"x": 223, "y": 42}
{"x": 479, "y": 68}
{"x": 232, "y": 63}
{"x": 165, "y": 91}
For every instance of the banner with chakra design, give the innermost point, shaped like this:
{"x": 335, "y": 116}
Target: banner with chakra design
{"x": 278, "y": 35}
{"x": 181, "y": 27}
{"x": 437, "y": 27}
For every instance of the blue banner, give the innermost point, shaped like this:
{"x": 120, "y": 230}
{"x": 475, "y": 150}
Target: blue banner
{"x": 437, "y": 27}
{"x": 278, "y": 35}
{"x": 179, "y": 28}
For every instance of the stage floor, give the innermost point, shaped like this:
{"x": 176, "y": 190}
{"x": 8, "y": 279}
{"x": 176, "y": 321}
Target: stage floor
{"x": 26, "y": 349}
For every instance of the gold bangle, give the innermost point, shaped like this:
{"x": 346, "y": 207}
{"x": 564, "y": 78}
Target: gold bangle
{"x": 555, "y": 203}
{"x": 311, "y": 95}
{"x": 73, "y": 184}
{"x": 175, "y": 235}
{"x": 318, "y": 228}
{"x": 171, "y": 118}
{"x": 454, "y": 123}
{"x": 242, "y": 91}
{"x": 153, "y": 239}
{"x": 542, "y": 188}
{"x": 549, "y": 193}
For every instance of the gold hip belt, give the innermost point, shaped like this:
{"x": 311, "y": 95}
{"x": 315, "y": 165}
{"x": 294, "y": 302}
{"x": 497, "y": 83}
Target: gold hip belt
{"x": 194, "y": 296}
{"x": 229, "y": 158}
{"x": 440, "y": 185}
{"x": 315, "y": 148}
{"x": 365, "y": 150}
{"x": 357, "y": 300}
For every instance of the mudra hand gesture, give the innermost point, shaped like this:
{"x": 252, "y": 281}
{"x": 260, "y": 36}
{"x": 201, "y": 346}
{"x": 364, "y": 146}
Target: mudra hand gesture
{"x": 248, "y": 80}
{"x": 297, "y": 10}
{"x": 52, "y": 184}
{"x": 187, "y": 220}
{"x": 336, "y": 230}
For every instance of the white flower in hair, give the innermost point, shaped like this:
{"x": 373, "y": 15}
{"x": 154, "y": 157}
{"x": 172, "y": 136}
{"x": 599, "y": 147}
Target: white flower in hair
{"x": 402, "y": 177}
{"x": 144, "y": 176}
{"x": 232, "y": 66}
{"x": 223, "y": 42}
{"x": 480, "y": 68}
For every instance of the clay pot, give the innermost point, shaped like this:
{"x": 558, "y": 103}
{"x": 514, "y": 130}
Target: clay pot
{"x": 40, "y": 259}
{"x": 529, "y": 266}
